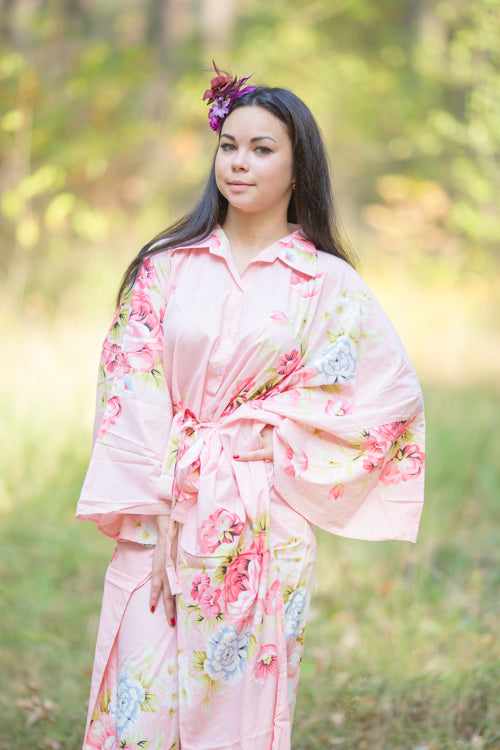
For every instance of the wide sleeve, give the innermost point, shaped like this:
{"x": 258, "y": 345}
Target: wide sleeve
{"x": 349, "y": 446}
{"x": 133, "y": 410}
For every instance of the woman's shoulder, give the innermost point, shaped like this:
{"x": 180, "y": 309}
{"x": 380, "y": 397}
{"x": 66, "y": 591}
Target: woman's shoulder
{"x": 326, "y": 262}
{"x": 338, "y": 270}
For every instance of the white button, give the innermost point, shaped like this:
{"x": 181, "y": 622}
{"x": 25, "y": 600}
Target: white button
{"x": 218, "y": 371}
{"x": 229, "y": 331}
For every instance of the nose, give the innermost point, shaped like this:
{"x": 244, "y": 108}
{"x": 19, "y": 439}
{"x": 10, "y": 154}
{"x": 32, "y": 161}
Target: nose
{"x": 240, "y": 161}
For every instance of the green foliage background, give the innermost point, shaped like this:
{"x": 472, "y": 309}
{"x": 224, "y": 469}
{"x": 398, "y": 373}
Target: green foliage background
{"x": 103, "y": 142}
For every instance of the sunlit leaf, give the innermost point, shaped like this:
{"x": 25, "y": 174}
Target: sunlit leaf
{"x": 13, "y": 120}
{"x": 28, "y": 231}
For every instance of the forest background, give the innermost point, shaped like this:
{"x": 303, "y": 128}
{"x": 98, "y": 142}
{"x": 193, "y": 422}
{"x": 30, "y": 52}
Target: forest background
{"x": 103, "y": 142}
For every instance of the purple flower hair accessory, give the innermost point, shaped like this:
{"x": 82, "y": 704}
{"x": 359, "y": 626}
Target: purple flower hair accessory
{"x": 224, "y": 90}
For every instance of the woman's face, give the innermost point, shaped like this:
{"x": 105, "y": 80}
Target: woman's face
{"x": 254, "y": 162}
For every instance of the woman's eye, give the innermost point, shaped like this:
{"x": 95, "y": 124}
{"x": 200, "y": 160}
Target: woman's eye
{"x": 263, "y": 150}
{"x": 226, "y": 146}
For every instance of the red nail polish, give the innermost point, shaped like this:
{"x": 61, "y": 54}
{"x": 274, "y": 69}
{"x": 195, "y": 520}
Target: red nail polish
{"x": 172, "y": 621}
{"x": 235, "y": 456}
{"x": 153, "y": 608}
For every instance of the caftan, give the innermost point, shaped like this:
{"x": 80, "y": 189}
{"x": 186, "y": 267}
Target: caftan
{"x": 197, "y": 361}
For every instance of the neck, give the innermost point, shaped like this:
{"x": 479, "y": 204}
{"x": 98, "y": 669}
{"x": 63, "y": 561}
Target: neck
{"x": 251, "y": 233}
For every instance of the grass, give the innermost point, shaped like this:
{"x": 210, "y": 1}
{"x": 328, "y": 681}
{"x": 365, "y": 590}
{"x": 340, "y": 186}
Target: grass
{"x": 402, "y": 651}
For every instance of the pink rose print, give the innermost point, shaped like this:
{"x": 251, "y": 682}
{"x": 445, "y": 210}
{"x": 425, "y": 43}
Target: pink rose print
{"x": 288, "y": 363}
{"x": 296, "y": 461}
{"x": 370, "y": 465}
{"x": 371, "y": 445}
{"x": 390, "y": 473}
{"x": 222, "y": 527}
{"x": 240, "y": 396}
{"x": 393, "y": 431}
{"x": 199, "y": 584}
{"x": 306, "y": 287}
{"x": 103, "y": 734}
{"x": 241, "y": 584}
{"x": 143, "y": 317}
{"x": 267, "y": 662}
{"x": 273, "y": 598}
{"x": 336, "y": 492}
{"x": 407, "y": 463}
{"x": 209, "y": 602}
{"x": 147, "y": 275}
{"x": 111, "y": 414}
{"x": 307, "y": 374}
{"x": 142, "y": 357}
{"x": 411, "y": 460}
{"x": 114, "y": 360}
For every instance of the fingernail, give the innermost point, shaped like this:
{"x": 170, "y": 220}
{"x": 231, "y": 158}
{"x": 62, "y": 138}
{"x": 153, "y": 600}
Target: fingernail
{"x": 235, "y": 456}
{"x": 172, "y": 621}
{"x": 153, "y": 608}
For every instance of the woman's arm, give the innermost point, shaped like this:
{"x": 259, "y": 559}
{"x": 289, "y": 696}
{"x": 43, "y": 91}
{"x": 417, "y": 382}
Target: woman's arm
{"x": 159, "y": 579}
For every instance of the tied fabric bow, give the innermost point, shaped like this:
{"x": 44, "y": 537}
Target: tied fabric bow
{"x": 187, "y": 470}
{"x": 186, "y": 481}
{"x": 224, "y": 90}
{"x": 204, "y": 451}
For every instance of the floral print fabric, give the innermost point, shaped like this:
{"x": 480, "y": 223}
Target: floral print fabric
{"x": 198, "y": 360}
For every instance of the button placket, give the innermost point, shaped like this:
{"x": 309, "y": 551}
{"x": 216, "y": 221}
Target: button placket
{"x": 229, "y": 323}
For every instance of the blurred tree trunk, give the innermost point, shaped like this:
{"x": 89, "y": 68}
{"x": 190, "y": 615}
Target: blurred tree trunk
{"x": 155, "y": 23}
{"x": 174, "y": 22}
{"x": 73, "y": 10}
{"x": 218, "y": 18}
{"x": 412, "y": 13}
{"x": 6, "y": 12}
{"x": 178, "y": 21}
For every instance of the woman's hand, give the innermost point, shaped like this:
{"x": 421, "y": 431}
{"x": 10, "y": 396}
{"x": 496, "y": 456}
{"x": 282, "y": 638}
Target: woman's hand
{"x": 261, "y": 454}
{"x": 159, "y": 578}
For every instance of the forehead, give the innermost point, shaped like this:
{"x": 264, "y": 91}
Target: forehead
{"x": 252, "y": 121}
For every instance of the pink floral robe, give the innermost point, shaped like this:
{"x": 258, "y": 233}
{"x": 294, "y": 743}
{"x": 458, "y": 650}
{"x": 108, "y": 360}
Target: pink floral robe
{"x": 197, "y": 361}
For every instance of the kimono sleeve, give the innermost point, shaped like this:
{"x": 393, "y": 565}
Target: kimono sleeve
{"x": 134, "y": 410}
{"x": 349, "y": 450}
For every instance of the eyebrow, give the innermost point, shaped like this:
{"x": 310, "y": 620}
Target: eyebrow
{"x": 252, "y": 140}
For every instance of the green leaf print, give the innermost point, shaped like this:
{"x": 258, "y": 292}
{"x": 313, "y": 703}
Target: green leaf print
{"x": 199, "y": 658}
{"x": 173, "y": 447}
{"x": 152, "y": 378}
{"x": 287, "y": 592}
{"x": 252, "y": 647}
{"x": 333, "y": 334}
{"x": 104, "y": 701}
{"x": 150, "y": 703}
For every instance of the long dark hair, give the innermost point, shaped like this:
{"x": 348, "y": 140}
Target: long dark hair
{"x": 311, "y": 203}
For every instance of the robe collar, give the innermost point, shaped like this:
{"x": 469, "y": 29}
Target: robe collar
{"x": 294, "y": 250}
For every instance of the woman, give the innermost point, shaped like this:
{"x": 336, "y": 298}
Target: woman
{"x": 250, "y": 388}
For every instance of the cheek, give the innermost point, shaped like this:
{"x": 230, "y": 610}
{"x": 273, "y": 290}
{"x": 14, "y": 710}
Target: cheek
{"x": 217, "y": 165}
{"x": 218, "y": 170}
{"x": 280, "y": 175}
